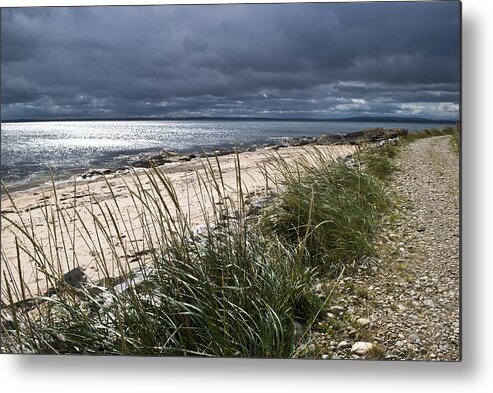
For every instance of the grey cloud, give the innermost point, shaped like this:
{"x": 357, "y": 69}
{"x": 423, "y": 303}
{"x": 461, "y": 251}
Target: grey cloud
{"x": 310, "y": 60}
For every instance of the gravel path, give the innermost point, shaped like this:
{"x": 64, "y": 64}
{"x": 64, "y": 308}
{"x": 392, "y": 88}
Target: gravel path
{"x": 407, "y": 307}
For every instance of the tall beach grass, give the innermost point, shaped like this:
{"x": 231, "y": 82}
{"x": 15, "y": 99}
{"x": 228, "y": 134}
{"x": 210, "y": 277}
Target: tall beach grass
{"x": 329, "y": 210}
{"x": 240, "y": 285}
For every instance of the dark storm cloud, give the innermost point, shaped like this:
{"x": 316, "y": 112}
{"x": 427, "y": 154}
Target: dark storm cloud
{"x": 289, "y": 60}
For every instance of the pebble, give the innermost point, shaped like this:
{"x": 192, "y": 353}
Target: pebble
{"x": 329, "y": 316}
{"x": 361, "y": 348}
{"x": 337, "y": 310}
{"x": 343, "y": 345}
{"x": 363, "y": 322}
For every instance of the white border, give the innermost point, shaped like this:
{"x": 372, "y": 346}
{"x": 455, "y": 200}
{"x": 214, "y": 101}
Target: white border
{"x": 83, "y": 374}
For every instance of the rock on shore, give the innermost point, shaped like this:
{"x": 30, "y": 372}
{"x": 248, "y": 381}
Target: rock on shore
{"x": 369, "y": 135}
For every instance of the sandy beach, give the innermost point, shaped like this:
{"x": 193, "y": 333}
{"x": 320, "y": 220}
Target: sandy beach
{"x": 78, "y": 209}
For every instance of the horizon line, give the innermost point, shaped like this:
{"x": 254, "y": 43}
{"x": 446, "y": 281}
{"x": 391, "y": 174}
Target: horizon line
{"x": 390, "y": 119}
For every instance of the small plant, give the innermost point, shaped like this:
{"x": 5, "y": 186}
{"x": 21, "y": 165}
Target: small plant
{"x": 376, "y": 352}
{"x": 363, "y": 293}
{"x": 379, "y": 161}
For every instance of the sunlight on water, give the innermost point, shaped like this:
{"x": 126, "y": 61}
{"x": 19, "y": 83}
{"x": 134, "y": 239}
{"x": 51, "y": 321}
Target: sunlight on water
{"x": 30, "y": 150}
{"x": 85, "y": 143}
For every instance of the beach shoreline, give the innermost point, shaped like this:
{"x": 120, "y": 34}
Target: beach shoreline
{"x": 66, "y": 217}
{"x": 75, "y": 204}
{"x": 148, "y": 158}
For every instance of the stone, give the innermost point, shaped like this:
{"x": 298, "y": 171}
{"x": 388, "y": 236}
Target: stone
{"x": 361, "y": 348}
{"x": 75, "y": 277}
{"x": 428, "y": 303}
{"x": 414, "y": 338}
{"x": 169, "y": 153}
{"x": 325, "y": 356}
{"x": 363, "y": 322}
{"x": 329, "y": 316}
{"x": 337, "y": 310}
{"x": 343, "y": 345}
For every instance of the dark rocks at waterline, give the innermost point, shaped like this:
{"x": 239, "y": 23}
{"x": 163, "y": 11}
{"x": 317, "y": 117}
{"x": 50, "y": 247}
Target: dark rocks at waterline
{"x": 150, "y": 162}
{"x": 163, "y": 158}
{"x": 303, "y": 141}
{"x": 220, "y": 152}
{"x": 169, "y": 153}
{"x": 102, "y": 172}
{"x": 168, "y": 158}
{"x": 370, "y": 135}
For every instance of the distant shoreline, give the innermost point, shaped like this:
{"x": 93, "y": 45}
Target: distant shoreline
{"x": 205, "y": 118}
{"x": 148, "y": 159}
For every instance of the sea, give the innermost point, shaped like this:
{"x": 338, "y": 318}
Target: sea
{"x": 32, "y": 153}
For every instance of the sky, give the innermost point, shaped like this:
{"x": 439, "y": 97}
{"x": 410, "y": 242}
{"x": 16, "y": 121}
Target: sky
{"x": 314, "y": 61}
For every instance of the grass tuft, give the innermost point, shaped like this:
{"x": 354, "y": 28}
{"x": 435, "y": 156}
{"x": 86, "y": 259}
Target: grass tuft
{"x": 331, "y": 211}
{"x": 379, "y": 161}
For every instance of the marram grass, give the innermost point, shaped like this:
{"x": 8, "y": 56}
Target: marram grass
{"x": 379, "y": 161}
{"x": 241, "y": 288}
{"x": 332, "y": 210}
